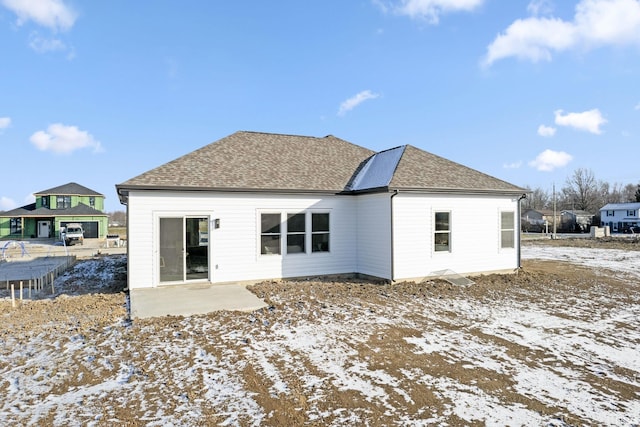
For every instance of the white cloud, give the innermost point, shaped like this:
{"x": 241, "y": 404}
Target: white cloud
{"x": 546, "y": 131}
{"x": 53, "y": 14}
{"x": 42, "y": 45}
{"x": 549, "y": 160}
{"x": 6, "y": 204}
{"x": 356, "y": 100}
{"x": 430, "y": 10}
{"x": 514, "y": 165}
{"x": 596, "y": 23}
{"x": 5, "y": 122}
{"x": 64, "y": 139}
{"x": 589, "y": 121}
{"x": 540, "y": 7}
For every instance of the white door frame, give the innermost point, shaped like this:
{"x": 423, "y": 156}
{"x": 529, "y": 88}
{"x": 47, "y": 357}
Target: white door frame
{"x": 162, "y": 263}
{"x": 48, "y": 224}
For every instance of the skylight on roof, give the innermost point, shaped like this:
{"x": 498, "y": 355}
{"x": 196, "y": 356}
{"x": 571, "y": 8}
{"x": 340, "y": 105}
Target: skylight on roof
{"x": 378, "y": 170}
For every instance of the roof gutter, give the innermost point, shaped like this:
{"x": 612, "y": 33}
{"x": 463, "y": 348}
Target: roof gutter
{"x": 518, "y": 230}
{"x": 395, "y": 193}
{"x": 123, "y": 190}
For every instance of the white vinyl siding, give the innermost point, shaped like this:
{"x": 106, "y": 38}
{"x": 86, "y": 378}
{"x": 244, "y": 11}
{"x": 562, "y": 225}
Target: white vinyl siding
{"x": 235, "y": 245}
{"x": 374, "y": 235}
{"x": 359, "y": 235}
{"x": 475, "y": 245}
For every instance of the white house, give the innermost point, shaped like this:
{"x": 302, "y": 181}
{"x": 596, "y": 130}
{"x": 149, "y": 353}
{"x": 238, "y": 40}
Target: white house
{"x": 255, "y": 206}
{"x": 619, "y": 216}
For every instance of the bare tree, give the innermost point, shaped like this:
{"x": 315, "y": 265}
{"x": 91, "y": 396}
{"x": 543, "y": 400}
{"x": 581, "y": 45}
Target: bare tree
{"x": 536, "y": 199}
{"x": 638, "y": 194}
{"x": 118, "y": 217}
{"x": 581, "y": 191}
{"x": 629, "y": 193}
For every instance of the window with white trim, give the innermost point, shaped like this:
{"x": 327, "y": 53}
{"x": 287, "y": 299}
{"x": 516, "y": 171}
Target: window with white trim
{"x": 442, "y": 232}
{"x": 296, "y": 225}
{"x": 294, "y": 233}
{"x": 631, "y": 213}
{"x": 507, "y": 230}
{"x": 319, "y": 232}
{"x": 270, "y": 234}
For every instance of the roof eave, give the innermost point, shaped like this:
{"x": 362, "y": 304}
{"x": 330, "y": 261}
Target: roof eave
{"x": 467, "y": 191}
{"x": 123, "y": 190}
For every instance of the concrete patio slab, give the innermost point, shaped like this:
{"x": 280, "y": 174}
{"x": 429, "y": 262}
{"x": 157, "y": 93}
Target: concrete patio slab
{"x": 190, "y": 299}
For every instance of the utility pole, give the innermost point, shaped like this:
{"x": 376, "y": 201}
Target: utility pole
{"x": 554, "y": 211}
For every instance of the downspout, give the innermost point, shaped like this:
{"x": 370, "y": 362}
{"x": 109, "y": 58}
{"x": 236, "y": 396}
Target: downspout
{"x": 524, "y": 196}
{"x": 395, "y": 193}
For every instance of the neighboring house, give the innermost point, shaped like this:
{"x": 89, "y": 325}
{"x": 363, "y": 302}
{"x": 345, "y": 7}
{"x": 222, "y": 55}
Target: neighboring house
{"x": 539, "y": 220}
{"x": 618, "y": 216}
{"x": 54, "y": 208}
{"x": 255, "y": 206}
{"x": 576, "y": 221}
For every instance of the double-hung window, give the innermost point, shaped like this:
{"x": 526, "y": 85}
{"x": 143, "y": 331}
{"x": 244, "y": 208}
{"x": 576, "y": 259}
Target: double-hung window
{"x": 442, "y": 233}
{"x": 294, "y": 233}
{"x": 319, "y": 232}
{"x": 296, "y": 225}
{"x": 270, "y": 233}
{"x": 63, "y": 202}
{"x": 631, "y": 213}
{"x": 507, "y": 229}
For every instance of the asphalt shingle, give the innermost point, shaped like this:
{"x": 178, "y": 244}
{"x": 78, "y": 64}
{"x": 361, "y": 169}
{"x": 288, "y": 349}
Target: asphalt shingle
{"x": 276, "y": 162}
{"x": 419, "y": 169}
{"x": 70, "y": 189}
{"x": 261, "y": 161}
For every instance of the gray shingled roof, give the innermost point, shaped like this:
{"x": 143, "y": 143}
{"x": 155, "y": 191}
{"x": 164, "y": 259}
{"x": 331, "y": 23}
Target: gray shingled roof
{"x": 70, "y": 189}
{"x": 260, "y": 161}
{"x": 273, "y": 162}
{"x": 421, "y": 170}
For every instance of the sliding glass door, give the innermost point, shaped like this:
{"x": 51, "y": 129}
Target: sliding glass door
{"x": 184, "y": 249}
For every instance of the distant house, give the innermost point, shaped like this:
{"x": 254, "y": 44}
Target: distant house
{"x": 576, "y": 221}
{"x": 53, "y": 209}
{"x": 539, "y": 220}
{"x": 619, "y": 216}
{"x": 255, "y": 206}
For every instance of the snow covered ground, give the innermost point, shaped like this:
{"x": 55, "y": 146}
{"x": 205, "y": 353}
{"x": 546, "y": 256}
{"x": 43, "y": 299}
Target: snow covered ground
{"x": 531, "y": 349}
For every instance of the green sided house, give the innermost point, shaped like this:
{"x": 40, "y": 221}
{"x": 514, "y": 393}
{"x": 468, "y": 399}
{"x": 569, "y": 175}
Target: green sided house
{"x": 53, "y": 209}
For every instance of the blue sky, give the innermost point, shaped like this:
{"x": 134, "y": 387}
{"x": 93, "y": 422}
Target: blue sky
{"x": 526, "y": 91}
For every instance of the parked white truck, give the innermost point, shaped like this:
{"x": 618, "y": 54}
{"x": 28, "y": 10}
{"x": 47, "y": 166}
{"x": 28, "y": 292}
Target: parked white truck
{"x": 72, "y": 234}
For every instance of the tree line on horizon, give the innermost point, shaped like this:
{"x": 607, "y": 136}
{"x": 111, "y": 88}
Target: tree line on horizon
{"x": 582, "y": 191}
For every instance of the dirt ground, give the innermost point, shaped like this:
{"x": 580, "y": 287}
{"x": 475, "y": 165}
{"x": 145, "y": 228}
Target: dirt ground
{"x": 170, "y": 370}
